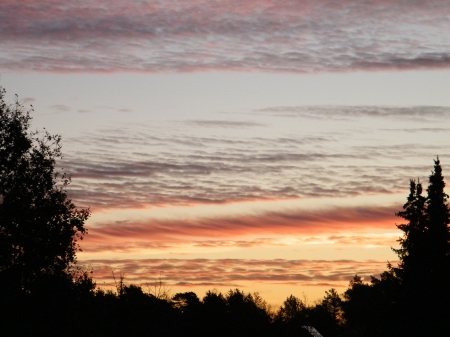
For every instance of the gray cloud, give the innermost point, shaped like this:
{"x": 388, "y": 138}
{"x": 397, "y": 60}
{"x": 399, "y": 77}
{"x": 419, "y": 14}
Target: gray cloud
{"x": 60, "y": 108}
{"x": 155, "y": 36}
{"x": 337, "y": 112}
{"x": 169, "y": 164}
{"x": 223, "y": 124}
{"x": 418, "y": 130}
{"x": 27, "y": 100}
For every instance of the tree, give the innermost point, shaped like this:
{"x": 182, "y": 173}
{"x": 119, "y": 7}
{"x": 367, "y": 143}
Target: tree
{"x": 413, "y": 244}
{"x": 188, "y": 303}
{"x": 437, "y": 225}
{"x": 291, "y": 309}
{"x": 332, "y": 302}
{"x": 248, "y": 314}
{"x": 39, "y": 225}
{"x": 424, "y": 268}
{"x": 215, "y": 314}
{"x": 425, "y": 245}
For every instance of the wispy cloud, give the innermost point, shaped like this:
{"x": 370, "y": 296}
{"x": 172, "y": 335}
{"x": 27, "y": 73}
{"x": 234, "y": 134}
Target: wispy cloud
{"x": 283, "y": 36}
{"x": 97, "y": 242}
{"x": 174, "y": 165}
{"x": 235, "y": 272}
{"x": 28, "y": 100}
{"x": 223, "y": 123}
{"x": 419, "y": 130}
{"x": 333, "y": 226}
{"x": 59, "y": 108}
{"x": 337, "y": 112}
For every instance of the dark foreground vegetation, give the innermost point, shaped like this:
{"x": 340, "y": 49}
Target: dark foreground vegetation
{"x": 43, "y": 292}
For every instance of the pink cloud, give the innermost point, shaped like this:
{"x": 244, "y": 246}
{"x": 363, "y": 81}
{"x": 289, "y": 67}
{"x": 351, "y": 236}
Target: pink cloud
{"x": 282, "y": 36}
{"x": 234, "y": 272}
{"x": 341, "y": 226}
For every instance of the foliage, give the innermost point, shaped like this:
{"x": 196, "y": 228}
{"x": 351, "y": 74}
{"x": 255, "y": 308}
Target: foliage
{"x": 39, "y": 225}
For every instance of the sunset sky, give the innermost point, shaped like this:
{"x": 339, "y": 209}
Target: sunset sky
{"x": 263, "y": 145}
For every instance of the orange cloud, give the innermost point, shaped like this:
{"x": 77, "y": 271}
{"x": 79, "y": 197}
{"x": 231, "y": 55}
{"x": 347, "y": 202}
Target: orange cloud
{"x": 344, "y": 226}
{"x": 234, "y": 272}
{"x": 272, "y": 223}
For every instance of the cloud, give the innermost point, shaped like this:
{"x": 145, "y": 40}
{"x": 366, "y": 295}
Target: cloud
{"x": 335, "y": 226}
{"x": 60, "y": 108}
{"x": 419, "y": 130}
{"x": 115, "y": 109}
{"x": 173, "y": 165}
{"x": 111, "y": 244}
{"x": 235, "y": 272}
{"x": 28, "y": 100}
{"x": 345, "y": 113}
{"x": 223, "y": 124}
{"x": 283, "y": 36}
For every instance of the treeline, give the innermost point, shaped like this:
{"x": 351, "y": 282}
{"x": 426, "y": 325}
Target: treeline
{"x": 44, "y": 293}
{"x": 79, "y": 309}
{"x": 76, "y": 307}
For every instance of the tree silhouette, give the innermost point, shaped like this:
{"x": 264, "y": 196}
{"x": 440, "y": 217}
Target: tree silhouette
{"x": 39, "y": 224}
{"x": 247, "y": 313}
{"x": 291, "y": 316}
{"x": 413, "y": 247}
{"x": 425, "y": 245}
{"x": 291, "y": 309}
{"x": 215, "y": 314}
{"x": 437, "y": 225}
{"x": 423, "y": 301}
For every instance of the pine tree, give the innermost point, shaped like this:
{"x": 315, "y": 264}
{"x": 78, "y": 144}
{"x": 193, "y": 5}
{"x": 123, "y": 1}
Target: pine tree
{"x": 423, "y": 301}
{"x": 413, "y": 245}
{"x": 438, "y": 220}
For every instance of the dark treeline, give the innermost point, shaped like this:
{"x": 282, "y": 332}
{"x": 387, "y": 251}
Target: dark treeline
{"x": 43, "y": 291}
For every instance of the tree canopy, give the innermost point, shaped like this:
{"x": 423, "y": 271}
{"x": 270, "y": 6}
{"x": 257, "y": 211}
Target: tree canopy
{"x": 39, "y": 225}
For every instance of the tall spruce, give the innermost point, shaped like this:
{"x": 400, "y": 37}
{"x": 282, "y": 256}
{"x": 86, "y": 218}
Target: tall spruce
{"x": 423, "y": 298}
{"x": 413, "y": 244}
{"x": 438, "y": 220}
{"x": 424, "y": 251}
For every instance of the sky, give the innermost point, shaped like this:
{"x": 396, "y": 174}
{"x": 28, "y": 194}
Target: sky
{"x": 259, "y": 145}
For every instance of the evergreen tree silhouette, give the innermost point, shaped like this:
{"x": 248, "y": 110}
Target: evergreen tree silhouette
{"x": 438, "y": 233}
{"x": 424, "y": 269}
{"x": 413, "y": 246}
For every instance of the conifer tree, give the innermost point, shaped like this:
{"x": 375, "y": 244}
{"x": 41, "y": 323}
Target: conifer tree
{"x": 425, "y": 246}
{"x": 413, "y": 245}
{"x": 423, "y": 300}
{"x": 438, "y": 220}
